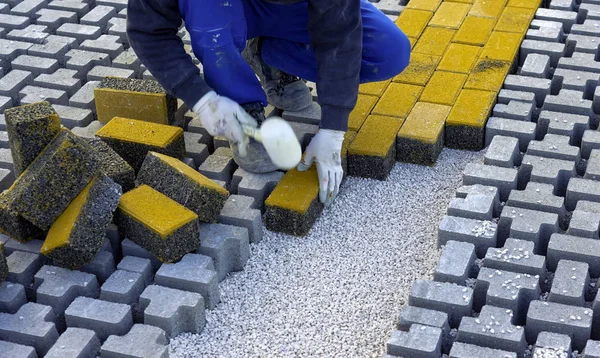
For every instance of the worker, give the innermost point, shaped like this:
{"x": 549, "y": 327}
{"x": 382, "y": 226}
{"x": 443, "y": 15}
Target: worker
{"x": 336, "y": 44}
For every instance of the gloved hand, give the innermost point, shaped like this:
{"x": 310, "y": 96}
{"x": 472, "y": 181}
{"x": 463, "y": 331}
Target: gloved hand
{"x": 223, "y": 117}
{"x": 325, "y": 148}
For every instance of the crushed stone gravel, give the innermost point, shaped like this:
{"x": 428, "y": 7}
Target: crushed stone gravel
{"x": 338, "y": 291}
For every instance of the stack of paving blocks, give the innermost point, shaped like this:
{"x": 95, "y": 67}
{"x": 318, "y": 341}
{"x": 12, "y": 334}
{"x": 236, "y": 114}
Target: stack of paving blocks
{"x": 519, "y": 267}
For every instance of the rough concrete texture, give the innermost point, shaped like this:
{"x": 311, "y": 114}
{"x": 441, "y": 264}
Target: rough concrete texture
{"x": 3, "y": 264}
{"x": 112, "y": 165}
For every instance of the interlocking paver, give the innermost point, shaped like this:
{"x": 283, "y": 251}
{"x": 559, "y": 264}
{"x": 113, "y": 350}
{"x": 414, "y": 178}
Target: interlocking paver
{"x": 17, "y": 350}
{"x": 585, "y": 221}
{"x": 98, "y": 16}
{"x": 503, "y": 151}
{"x": 419, "y": 342}
{"x": 570, "y": 283}
{"x": 455, "y": 300}
{"x": 516, "y": 256}
{"x": 75, "y": 343}
{"x": 572, "y": 125}
{"x": 33, "y": 325}
{"x": 53, "y": 19}
{"x": 523, "y": 131}
{"x": 525, "y": 224}
{"x": 581, "y": 189}
{"x": 552, "y": 344}
{"x": 227, "y": 245}
{"x": 464, "y": 350}
{"x": 567, "y": 247}
{"x": 155, "y": 343}
{"x": 455, "y": 263}
{"x": 123, "y": 287}
{"x": 556, "y": 172}
{"x": 61, "y": 79}
{"x": 505, "y": 179}
{"x": 104, "y": 318}
{"x": 12, "y": 297}
{"x": 538, "y": 196}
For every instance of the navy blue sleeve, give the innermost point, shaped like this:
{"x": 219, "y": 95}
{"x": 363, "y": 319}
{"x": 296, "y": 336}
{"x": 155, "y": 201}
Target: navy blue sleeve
{"x": 152, "y": 27}
{"x": 335, "y": 28}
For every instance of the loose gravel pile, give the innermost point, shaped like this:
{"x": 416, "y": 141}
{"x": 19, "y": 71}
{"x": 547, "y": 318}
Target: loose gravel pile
{"x": 338, "y": 291}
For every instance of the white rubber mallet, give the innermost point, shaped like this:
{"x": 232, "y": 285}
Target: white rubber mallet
{"x": 279, "y": 140}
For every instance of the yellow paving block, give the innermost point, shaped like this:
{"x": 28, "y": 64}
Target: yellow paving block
{"x": 413, "y": 41}
{"x": 450, "y": 14}
{"x": 443, "y": 87}
{"x": 428, "y": 5}
{"x": 528, "y": 4}
{"x": 465, "y": 126}
{"x": 134, "y": 98}
{"x": 488, "y": 75}
{"x": 434, "y": 40}
{"x": 502, "y": 46}
{"x": 373, "y": 88}
{"x": 419, "y": 70}
{"x": 475, "y": 30}
{"x": 398, "y": 100}
{"x": 412, "y": 22}
{"x": 487, "y": 8}
{"x": 515, "y": 19}
{"x": 376, "y": 137}
{"x": 459, "y": 58}
{"x": 364, "y": 105}
{"x": 461, "y": 1}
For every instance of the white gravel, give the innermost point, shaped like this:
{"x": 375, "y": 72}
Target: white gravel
{"x": 338, "y": 291}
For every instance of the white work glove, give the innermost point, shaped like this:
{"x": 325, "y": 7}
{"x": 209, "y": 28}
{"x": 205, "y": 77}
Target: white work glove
{"x": 325, "y": 148}
{"x": 224, "y": 117}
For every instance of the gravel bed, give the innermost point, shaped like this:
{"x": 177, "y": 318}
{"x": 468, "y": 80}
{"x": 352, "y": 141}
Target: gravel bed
{"x": 338, "y": 291}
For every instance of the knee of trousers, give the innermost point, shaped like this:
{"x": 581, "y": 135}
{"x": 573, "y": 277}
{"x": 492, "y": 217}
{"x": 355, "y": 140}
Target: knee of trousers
{"x": 395, "y": 55}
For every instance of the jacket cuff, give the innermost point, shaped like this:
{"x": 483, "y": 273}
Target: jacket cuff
{"x": 192, "y": 90}
{"x": 334, "y": 117}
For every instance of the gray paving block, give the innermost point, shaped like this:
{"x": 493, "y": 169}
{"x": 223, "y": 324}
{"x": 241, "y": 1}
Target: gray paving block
{"x": 55, "y": 18}
{"x": 592, "y": 349}
{"x": 241, "y": 211}
{"x": 464, "y": 350}
{"x": 553, "y": 345}
{"x": 32, "y": 33}
{"x": 195, "y": 149}
{"x": 28, "y": 8}
{"x": 596, "y": 308}
{"x": 309, "y": 115}
{"x": 544, "y": 30}
{"x": 84, "y": 98}
{"x": 98, "y": 73}
{"x": 128, "y": 60}
{"x": 517, "y": 110}
{"x": 568, "y": 101}
{"x": 419, "y": 342}
{"x": 22, "y": 267}
{"x": 83, "y": 61}
{"x": 567, "y": 5}
{"x": 173, "y": 310}
{"x": 117, "y": 4}
{"x": 12, "y": 297}
{"x": 15, "y": 350}
{"x": 118, "y": 27}
{"x": 581, "y": 189}
{"x": 33, "y": 325}
{"x": 13, "y": 21}
{"x": 450, "y": 298}
{"x": 61, "y": 79}
{"x": 72, "y": 117}
{"x": 593, "y": 166}
{"x": 493, "y": 329}
{"x": 130, "y": 248}
{"x": 258, "y": 186}
{"x": 32, "y": 246}
{"x": 123, "y": 287}
{"x": 582, "y": 81}
{"x": 416, "y": 315}
{"x": 585, "y": 221}
{"x": 99, "y": 16}
{"x": 556, "y": 172}
{"x": 75, "y": 343}
{"x": 88, "y": 131}
{"x": 571, "y": 125}
{"x": 574, "y": 248}
{"x": 6, "y": 161}
{"x": 523, "y": 131}
{"x": 138, "y": 265}
{"x": 13, "y": 82}
{"x": 10, "y": 49}
{"x": 554, "y": 51}
{"x": 516, "y": 256}
{"x": 7, "y": 178}
{"x": 589, "y": 142}
{"x": 304, "y": 132}
{"x": 576, "y": 322}
{"x": 570, "y": 283}
{"x": 455, "y": 263}
{"x": 481, "y": 233}
{"x": 54, "y": 47}
{"x": 58, "y": 287}
{"x": 503, "y": 151}
{"x": 535, "y": 65}
{"x": 104, "y": 318}
{"x": 155, "y": 344}
{"x": 79, "y": 7}
{"x": 567, "y": 18}
{"x": 505, "y": 289}
{"x": 108, "y": 44}
{"x": 506, "y": 95}
{"x": 219, "y": 165}
{"x": 524, "y": 224}
{"x": 477, "y": 201}
{"x": 540, "y": 197}
{"x": 539, "y": 86}
{"x": 79, "y": 31}
{"x": 194, "y": 273}
{"x": 390, "y": 7}
{"x": 102, "y": 266}
{"x": 227, "y": 245}
{"x": 505, "y": 179}
{"x": 589, "y": 27}
{"x": 34, "y": 94}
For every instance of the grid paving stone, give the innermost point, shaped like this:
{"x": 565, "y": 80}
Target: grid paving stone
{"x": 516, "y": 256}
{"x": 227, "y": 245}
{"x": 75, "y": 343}
{"x": 242, "y": 211}
{"x": 33, "y": 325}
{"x": 104, "y": 318}
{"x": 574, "y": 248}
{"x": 477, "y": 201}
{"x": 570, "y": 283}
{"x": 455, "y": 263}
{"x": 155, "y": 343}
{"x": 12, "y": 297}
{"x": 419, "y": 342}
{"x": 455, "y": 300}
{"x": 585, "y": 221}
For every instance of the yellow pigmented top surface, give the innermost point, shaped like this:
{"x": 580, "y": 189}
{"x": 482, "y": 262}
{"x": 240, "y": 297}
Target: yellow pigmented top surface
{"x": 475, "y": 30}
{"x": 443, "y": 87}
{"x": 349, "y": 137}
{"x": 190, "y": 173}
{"x": 155, "y": 210}
{"x": 376, "y": 137}
{"x": 502, "y": 46}
{"x": 145, "y": 106}
{"x": 515, "y": 19}
{"x": 472, "y": 108}
{"x": 425, "y": 122}
{"x": 459, "y": 58}
{"x": 419, "y": 70}
{"x": 135, "y": 131}
{"x": 364, "y": 105}
{"x": 373, "y": 88}
{"x": 450, "y": 14}
{"x": 428, "y": 5}
{"x": 398, "y": 100}
{"x": 412, "y": 22}
{"x": 434, "y": 40}
{"x": 528, "y": 4}
{"x": 60, "y": 232}
{"x": 488, "y": 75}
{"x": 487, "y": 8}
{"x": 296, "y": 190}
